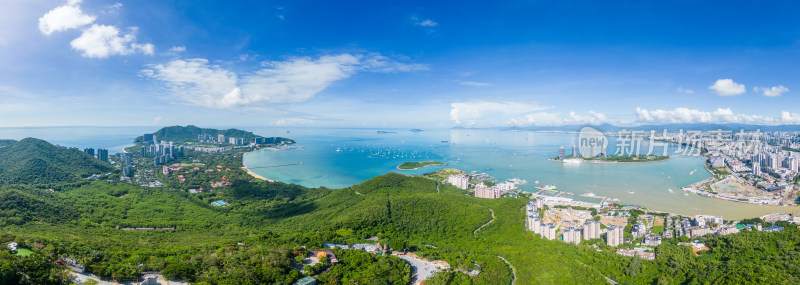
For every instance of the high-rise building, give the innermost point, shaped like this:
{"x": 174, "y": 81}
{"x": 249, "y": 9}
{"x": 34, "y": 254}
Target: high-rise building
{"x": 127, "y": 171}
{"x": 549, "y": 232}
{"x": 459, "y": 180}
{"x": 561, "y": 153}
{"x": 89, "y": 151}
{"x": 614, "y": 236}
{"x": 572, "y": 235}
{"x": 533, "y": 223}
{"x": 756, "y": 168}
{"x": 591, "y": 230}
{"x": 102, "y": 154}
{"x": 220, "y": 138}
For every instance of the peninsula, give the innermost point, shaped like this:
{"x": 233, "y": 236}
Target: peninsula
{"x": 412, "y": 165}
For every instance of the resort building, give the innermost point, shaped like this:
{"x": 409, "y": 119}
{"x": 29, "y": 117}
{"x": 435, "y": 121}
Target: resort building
{"x": 638, "y": 230}
{"x": 703, "y": 220}
{"x": 481, "y": 191}
{"x": 591, "y": 230}
{"x": 727, "y": 230}
{"x": 699, "y": 231}
{"x": 459, "y": 180}
{"x": 614, "y": 236}
{"x": 652, "y": 240}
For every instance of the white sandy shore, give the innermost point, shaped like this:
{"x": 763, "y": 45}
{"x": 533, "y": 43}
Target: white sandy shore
{"x": 256, "y": 175}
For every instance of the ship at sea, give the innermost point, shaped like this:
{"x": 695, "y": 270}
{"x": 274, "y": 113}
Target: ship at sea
{"x": 517, "y": 181}
{"x": 547, "y": 187}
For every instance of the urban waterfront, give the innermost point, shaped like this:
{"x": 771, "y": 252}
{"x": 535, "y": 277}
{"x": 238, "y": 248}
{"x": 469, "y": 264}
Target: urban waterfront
{"x": 337, "y": 158}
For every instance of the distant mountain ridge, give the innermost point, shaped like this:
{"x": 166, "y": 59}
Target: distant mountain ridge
{"x": 191, "y": 132}
{"x": 35, "y": 161}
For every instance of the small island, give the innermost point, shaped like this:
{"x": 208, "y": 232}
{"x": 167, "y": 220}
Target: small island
{"x": 412, "y": 165}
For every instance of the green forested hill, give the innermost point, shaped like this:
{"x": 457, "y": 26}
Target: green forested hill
{"x": 190, "y": 133}
{"x": 34, "y": 161}
{"x": 261, "y": 236}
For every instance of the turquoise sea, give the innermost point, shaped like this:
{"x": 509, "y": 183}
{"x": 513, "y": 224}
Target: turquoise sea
{"x": 337, "y": 158}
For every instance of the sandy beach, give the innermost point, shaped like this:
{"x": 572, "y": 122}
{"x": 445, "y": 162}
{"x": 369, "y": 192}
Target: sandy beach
{"x": 256, "y": 175}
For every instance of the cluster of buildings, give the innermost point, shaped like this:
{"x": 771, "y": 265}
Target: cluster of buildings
{"x": 562, "y": 224}
{"x": 495, "y": 191}
{"x": 459, "y": 180}
{"x": 571, "y": 234}
{"x": 101, "y": 154}
{"x": 462, "y": 181}
{"x": 161, "y": 151}
{"x": 220, "y": 139}
{"x": 768, "y": 159}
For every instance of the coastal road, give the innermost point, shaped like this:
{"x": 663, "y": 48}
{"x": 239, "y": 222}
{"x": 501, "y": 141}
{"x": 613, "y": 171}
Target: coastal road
{"x": 486, "y": 224}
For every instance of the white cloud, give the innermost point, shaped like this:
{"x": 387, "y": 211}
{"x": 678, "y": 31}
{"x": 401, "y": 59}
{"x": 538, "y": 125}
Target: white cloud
{"x": 719, "y": 116}
{"x": 298, "y": 79}
{"x": 427, "y": 23}
{"x": 727, "y": 87}
{"x": 474, "y": 84}
{"x": 101, "y": 41}
{"x": 790, "y": 118}
{"x": 480, "y": 113}
{"x": 178, "y": 49}
{"x": 771, "y": 91}
{"x": 556, "y": 119}
{"x": 96, "y": 41}
{"x": 686, "y": 91}
{"x": 64, "y": 18}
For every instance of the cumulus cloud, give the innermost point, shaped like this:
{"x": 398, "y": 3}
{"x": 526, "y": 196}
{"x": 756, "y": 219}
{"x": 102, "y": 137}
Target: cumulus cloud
{"x": 101, "y": 41}
{"x": 64, "y": 18}
{"x": 298, "y": 79}
{"x": 96, "y": 41}
{"x": 557, "y": 119}
{"x": 481, "y": 113}
{"x": 720, "y": 116}
{"x": 771, "y": 91}
{"x": 727, "y": 87}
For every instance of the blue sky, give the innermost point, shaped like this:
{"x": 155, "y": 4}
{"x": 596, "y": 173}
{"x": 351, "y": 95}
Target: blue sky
{"x": 397, "y": 64}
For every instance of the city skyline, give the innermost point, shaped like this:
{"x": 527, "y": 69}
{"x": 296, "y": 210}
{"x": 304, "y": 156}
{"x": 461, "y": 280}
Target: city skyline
{"x": 319, "y": 64}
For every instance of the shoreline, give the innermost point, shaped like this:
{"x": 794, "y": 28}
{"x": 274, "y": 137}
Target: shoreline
{"x": 244, "y": 166}
{"x": 596, "y": 161}
{"x": 398, "y": 167}
{"x": 256, "y": 175}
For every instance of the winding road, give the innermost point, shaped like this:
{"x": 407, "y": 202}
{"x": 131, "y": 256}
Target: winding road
{"x": 513, "y": 270}
{"x": 486, "y": 224}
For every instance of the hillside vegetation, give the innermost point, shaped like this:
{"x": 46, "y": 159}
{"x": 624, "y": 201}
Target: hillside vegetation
{"x": 269, "y": 227}
{"x": 189, "y": 133}
{"x": 34, "y": 161}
